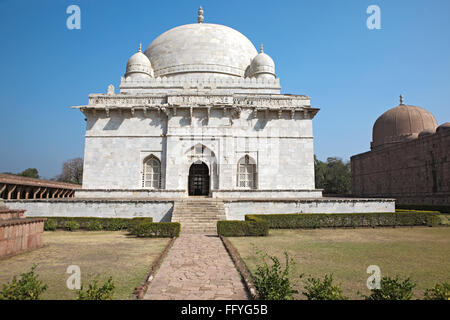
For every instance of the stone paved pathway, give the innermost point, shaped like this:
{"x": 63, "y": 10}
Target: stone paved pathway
{"x": 197, "y": 267}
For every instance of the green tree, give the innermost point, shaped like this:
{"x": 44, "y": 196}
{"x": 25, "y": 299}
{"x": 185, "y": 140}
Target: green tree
{"x": 334, "y": 176}
{"x": 30, "y": 173}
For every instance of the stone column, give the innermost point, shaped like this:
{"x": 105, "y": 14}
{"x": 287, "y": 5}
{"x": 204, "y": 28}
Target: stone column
{"x": 35, "y": 192}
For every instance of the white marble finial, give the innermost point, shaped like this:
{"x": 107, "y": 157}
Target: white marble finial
{"x": 200, "y": 15}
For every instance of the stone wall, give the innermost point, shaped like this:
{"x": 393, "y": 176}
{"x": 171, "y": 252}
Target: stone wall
{"x": 237, "y": 209}
{"x": 18, "y": 234}
{"x": 414, "y": 172}
{"x": 161, "y": 210}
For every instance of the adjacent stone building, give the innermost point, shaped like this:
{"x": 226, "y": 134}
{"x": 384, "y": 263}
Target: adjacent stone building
{"x": 409, "y": 159}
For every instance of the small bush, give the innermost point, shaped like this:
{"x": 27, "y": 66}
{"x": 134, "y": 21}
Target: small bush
{"x": 109, "y": 224}
{"x": 349, "y": 220}
{"x": 231, "y": 228}
{"x": 272, "y": 282}
{"x": 157, "y": 230}
{"x": 392, "y": 289}
{"x": 424, "y": 207}
{"x": 94, "y": 292}
{"x": 116, "y": 224}
{"x": 94, "y": 225}
{"x": 27, "y": 288}
{"x": 71, "y": 225}
{"x": 50, "y": 225}
{"x": 438, "y": 292}
{"x": 133, "y": 223}
{"x": 316, "y": 289}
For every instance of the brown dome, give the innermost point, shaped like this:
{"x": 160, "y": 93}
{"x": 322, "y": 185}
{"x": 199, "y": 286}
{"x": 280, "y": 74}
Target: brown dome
{"x": 444, "y": 126}
{"x": 402, "y": 123}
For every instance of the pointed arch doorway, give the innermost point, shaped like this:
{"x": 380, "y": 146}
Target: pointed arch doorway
{"x": 199, "y": 179}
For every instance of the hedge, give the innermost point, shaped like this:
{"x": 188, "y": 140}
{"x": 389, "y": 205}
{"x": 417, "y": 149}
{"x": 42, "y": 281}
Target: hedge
{"x": 421, "y": 207}
{"x": 233, "y": 228}
{"x": 156, "y": 230}
{"x": 295, "y": 221}
{"x": 92, "y": 223}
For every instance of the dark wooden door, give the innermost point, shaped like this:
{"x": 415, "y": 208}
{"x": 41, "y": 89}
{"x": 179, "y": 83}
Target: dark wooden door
{"x": 199, "y": 179}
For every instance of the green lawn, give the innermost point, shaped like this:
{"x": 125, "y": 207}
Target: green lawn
{"x": 423, "y": 253}
{"x": 106, "y": 253}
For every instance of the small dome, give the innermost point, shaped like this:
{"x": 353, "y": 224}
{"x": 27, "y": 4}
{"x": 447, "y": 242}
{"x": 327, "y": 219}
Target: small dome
{"x": 426, "y": 132}
{"x": 402, "y": 123}
{"x": 444, "y": 126}
{"x": 262, "y": 66}
{"x": 139, "y": 66}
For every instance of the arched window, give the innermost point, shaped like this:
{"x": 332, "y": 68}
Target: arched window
{"x": 246, "y": 173}
{"x": 151, "y": 177}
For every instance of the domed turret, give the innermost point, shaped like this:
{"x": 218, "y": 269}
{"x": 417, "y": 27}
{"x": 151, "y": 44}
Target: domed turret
{"x": 139, "y": 66}
{"x": 402, "y": 123}
{"x": 262, "y": 66}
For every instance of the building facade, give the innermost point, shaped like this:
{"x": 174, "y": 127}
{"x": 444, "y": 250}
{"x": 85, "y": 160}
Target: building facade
{"x": 199, "y": 113}
{"x": 409, "y": 159}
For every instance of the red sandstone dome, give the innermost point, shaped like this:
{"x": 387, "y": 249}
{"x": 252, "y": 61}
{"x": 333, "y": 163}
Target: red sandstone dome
{"x": 402, "y": 123}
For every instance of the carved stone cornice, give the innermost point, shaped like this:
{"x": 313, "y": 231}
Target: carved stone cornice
{"x": 233, "y": 103}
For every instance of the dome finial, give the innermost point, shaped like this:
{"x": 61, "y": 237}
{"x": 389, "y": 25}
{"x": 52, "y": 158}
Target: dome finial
{"x": 401, "y": 100}
{"x": 140, "y": 47}
{"x": 200, "y": 15}
{"x": 261, "y": 49}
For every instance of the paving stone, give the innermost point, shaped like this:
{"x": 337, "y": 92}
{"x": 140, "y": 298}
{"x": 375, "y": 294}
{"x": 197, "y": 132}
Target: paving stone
{"x": 197, "y": 267}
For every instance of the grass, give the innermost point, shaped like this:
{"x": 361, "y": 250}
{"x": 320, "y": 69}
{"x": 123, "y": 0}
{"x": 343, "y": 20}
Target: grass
{"x": 421, "y": 253}
{"x": 106, "y": 253}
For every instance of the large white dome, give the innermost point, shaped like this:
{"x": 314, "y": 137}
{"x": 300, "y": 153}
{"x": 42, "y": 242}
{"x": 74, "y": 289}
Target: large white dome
{"x": 201, "y": 48}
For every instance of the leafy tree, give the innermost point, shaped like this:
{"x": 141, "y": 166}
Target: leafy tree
{"x": 30, "y": 173}
{"x": 72, "y": 171}
{"x": 334, "y": 176}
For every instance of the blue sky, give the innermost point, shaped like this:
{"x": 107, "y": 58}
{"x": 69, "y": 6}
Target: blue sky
{"x": 321, "y": 48}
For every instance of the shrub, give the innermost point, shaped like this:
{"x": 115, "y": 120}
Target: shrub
{"x": 110, "y": 224}
{"x": 272, "y": 282}
{"x": 116, "y": 224}
{"x": 133, "y": 223}
{"x": 157, "y": 230}
{"x": 424, "y": 207}
{"x": 71, "y": 225}
{"x": 321, "y": 220}
{"x": 50, "y": 225}
{"x": 316, "y": 289}
{"x": 440, "y": 291}
{"x": 392, "y": 289}
{"x": 231, "y": 228}
{"x": 94, "y": 225}
{"x": 27, "y": 288}
{"x": 94, "y": 292}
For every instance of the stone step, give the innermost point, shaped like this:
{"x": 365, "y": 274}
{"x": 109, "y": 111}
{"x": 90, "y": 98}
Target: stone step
{"x": 198, "y": 216}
